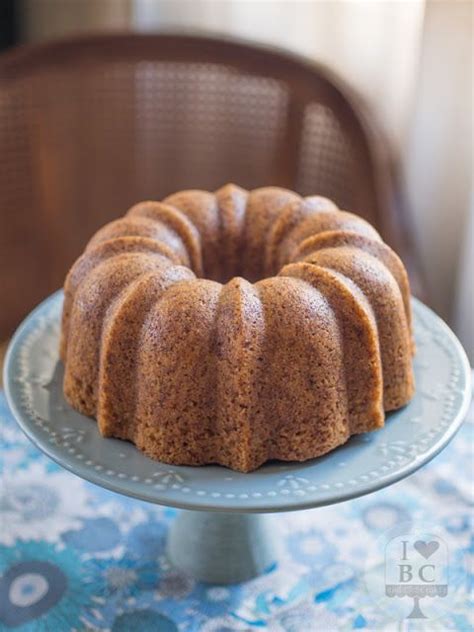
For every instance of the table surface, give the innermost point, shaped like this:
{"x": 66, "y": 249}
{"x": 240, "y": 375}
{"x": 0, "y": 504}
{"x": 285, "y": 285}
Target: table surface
{"x": 77, "y": 557}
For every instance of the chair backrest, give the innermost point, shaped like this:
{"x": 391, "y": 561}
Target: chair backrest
{"x": 92, "y": 125}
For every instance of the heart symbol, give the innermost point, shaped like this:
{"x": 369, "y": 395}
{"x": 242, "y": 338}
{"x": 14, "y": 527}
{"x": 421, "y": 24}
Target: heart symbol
{"x": 426, "y": 548}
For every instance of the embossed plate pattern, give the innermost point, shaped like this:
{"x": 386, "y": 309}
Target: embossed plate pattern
{"x": 411, "y": 437}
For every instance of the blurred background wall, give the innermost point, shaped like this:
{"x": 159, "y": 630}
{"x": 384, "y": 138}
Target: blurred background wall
{"x": 410, "y": 60}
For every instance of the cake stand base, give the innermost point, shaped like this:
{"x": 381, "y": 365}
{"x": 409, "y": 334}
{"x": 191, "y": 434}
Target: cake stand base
{"x": 222, "y": 548}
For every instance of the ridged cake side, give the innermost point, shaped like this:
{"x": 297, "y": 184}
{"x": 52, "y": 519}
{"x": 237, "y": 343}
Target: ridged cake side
{"x": 287, "y": 363}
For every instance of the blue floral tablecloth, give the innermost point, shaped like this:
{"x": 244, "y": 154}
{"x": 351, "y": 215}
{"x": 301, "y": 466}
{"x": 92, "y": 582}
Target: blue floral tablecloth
{"x": 76, "y": 557}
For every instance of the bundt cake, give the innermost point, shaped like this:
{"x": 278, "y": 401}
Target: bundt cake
{"x": 236, "y": 327}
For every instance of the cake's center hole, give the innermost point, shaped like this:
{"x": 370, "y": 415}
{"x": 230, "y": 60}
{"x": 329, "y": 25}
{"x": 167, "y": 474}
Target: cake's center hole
{"x": 227, "y": 272}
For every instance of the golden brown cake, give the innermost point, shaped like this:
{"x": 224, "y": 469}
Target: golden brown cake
{"x": 236, "y": 327}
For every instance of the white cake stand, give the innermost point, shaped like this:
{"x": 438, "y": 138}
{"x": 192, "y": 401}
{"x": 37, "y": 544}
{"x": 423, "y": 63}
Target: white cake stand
{"x": 224, "y": 535}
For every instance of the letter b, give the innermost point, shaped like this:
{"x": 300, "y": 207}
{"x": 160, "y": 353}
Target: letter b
{"x": 405, "y": 573}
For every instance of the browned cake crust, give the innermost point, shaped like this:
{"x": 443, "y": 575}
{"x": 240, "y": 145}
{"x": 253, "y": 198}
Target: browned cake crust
{"x": 167, "y": 346}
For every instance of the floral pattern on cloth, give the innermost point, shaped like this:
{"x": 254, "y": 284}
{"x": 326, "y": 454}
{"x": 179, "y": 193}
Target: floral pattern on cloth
{"x": 74, "y": 556}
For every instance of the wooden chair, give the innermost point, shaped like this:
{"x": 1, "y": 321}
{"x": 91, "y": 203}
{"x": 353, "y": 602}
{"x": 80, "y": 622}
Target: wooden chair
{"x": 91, "y": 125}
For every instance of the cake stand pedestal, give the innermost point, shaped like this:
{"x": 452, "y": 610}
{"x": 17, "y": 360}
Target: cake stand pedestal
{"x": 224, "y": 536}
{"x": 222, "y": 548}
